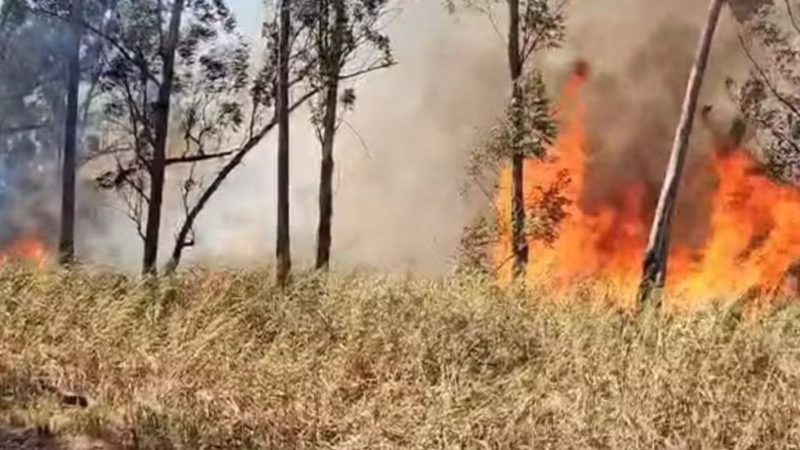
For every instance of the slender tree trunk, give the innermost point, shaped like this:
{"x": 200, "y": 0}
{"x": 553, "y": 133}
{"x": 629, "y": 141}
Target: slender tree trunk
{"x": 283, "y": 247}
{"x": 515, "y": 62}
{"x": 66, "y": 246}
{"x": 157, "y": 165}
{"x": 655, "y": 260}
{"x": 218, "y": 181}
{"x": 331, "y": 73}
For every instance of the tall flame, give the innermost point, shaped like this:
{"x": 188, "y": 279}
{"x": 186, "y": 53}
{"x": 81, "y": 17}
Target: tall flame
{"x": 754, "y": 222}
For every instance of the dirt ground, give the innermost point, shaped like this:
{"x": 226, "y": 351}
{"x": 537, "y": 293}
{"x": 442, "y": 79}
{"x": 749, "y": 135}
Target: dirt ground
{"x": 29, "y": 439}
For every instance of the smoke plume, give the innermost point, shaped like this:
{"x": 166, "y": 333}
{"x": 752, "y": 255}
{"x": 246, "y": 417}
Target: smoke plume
{"x": 641, "y": 53}
{"x": 401, "y": 153}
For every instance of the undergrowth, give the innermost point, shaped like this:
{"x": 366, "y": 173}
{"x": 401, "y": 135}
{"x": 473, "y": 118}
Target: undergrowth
{"x": 214, "y": 359}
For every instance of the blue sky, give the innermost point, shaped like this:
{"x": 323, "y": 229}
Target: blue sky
{"x": 248, "y": 13}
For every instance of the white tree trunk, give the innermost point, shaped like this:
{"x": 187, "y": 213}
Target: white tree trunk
{"x": 655, "y": 260}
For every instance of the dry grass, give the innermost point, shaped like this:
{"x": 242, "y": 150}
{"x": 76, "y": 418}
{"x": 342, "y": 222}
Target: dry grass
{"x": 222, "y": 360}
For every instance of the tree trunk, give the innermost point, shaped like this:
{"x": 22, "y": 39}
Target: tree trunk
{"x": 515, "y": 62}
{"x": 655, "y": 260}
{"x": 331, "y": 73}
{"x": 283, "y": 247}
{"x": 217, "y": 182}
{"x": 66, "y": 246}
{"x": 157, "y": 165}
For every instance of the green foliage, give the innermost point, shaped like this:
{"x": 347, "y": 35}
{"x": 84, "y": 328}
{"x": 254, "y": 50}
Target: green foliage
{"x": 536, "y": 132}
{"x": 547, "y": 209}
{"x": 541, "y": 21}
{"x": 538, "y": 129}
{"x": 768, "y": 98}
{"x": 362, "y": 46}
{"x": 543, "y": 24}
{"x": 208, "y": 98}
{"x": 12, "y": 13}
{"x": 33, "y": 35}
{"x": 528, "y": 127}
{"x": 211, "y": 70}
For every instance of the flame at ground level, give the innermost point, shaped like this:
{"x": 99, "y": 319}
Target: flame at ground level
{"x": 753, "y": 238}
{"x": 29, "y": 249}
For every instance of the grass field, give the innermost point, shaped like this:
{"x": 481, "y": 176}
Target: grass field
{"x": 223, "y": 360}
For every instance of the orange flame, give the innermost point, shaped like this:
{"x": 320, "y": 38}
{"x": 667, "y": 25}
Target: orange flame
{"x": 29, "y": 249}
{"x": 754, "y": 223}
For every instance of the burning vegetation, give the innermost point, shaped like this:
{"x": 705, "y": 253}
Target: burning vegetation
{"x": 745, "y": 238}
{"x": 28, "y": 249}
{"x": 566, "y": 213}
{"x": 319, "y": 360}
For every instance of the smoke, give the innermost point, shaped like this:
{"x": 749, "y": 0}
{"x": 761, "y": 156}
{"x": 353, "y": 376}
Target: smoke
{"x": 402, "y": 152}
{"x": 400, "y": 157}
{"x": 641, "y": 52}
{"x": 28, "y": 126}
{"x": 32, "y": 111}
{"x": 400, "y": 205}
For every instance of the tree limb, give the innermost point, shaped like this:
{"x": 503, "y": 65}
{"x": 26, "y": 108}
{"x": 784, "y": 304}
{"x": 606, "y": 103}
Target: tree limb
{"x": 222, "y": 175}
{"x": 198, "y": 158}
{"x": 766, "y": 80}
{"x": 23, "y": 128}
{"x": 373, "y": 68}
{"x": 792, "y": 16}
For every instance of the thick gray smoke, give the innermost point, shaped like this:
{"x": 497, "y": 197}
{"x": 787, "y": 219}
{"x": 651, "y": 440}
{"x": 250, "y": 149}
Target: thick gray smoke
{"x": 641, "y": 53}
{"x": 29, "y": 114}
{"x": 401, "y": 154}
{"x": 32, "y": 110}
{"x": 400, "y": 160}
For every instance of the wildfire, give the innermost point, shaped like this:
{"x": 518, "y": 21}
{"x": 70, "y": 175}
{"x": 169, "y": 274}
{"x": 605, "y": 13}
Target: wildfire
{"x": 29, "y": 249}
{"x": 753, "y": 224}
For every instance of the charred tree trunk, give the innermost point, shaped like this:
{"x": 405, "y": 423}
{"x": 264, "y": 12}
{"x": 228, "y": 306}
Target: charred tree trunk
{"x": 157, "y": 165}
{"x": 283, "y": 247}
{"x": 655, "y": 260}
{"x": 515, "y": 62}
{"x": 66, "y": 246}
{"x": 331, "y": 72}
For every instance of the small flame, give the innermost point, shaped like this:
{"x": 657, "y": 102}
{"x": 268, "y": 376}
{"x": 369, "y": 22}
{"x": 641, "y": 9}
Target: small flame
{"x": 30, "y": 249}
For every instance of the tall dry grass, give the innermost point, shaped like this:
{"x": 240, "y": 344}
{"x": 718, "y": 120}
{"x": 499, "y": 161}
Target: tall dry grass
{"x": 223, "y": 360}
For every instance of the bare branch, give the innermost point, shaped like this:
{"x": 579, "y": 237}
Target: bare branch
{"x": 222, "y": 175}
{"x": 359, "y": 137}
{"x": 187, "y": 159}
{"x": 23, "y": 128}
{"x": 792, "y": 17}
{"x": 532, "y": 42}
{"x": 358, "y": 73}
{"x": 766, "y": 80}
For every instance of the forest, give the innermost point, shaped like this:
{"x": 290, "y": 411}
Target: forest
{"x": 399, "y": 224}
